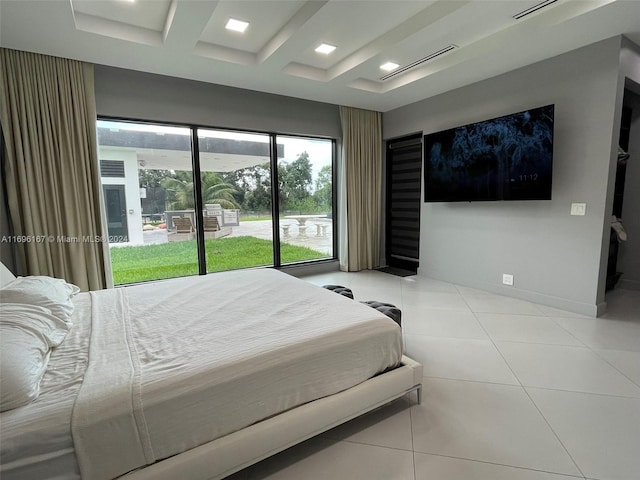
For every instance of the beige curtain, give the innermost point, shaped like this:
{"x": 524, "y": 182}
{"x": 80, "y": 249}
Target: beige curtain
{"x": 362, "y": 157}
{"x": 47, "y": 110}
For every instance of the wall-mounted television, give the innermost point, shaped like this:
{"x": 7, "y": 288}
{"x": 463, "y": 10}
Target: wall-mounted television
{"x": 505, "y": 158}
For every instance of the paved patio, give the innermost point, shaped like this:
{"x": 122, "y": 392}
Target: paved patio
{"x": 263, "y": 229}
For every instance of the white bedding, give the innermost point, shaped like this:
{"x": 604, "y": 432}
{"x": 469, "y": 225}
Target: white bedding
{"x": 36, "y": 438}
{"x": 201, "y": 357}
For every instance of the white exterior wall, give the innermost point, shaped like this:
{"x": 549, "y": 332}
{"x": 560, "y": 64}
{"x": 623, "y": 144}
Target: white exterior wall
{"x": 131, "y": 182}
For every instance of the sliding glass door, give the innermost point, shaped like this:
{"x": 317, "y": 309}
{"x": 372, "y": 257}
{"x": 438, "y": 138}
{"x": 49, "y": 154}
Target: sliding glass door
{"x": 305, "y": 194}
{"x": 235, "y": 173}
{"x": 147, "y": 180}
{"x": 164, "y": 222}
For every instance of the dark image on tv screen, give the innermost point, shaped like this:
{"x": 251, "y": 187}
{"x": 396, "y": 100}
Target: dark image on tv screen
{"x": 505, "y": 158}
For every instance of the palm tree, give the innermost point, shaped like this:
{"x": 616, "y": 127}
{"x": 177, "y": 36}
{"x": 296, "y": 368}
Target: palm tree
{"x": 214, "y": 190}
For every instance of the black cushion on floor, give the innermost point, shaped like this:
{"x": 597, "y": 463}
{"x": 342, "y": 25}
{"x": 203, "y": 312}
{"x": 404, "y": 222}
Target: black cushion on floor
{"x": 391, "y": 311}
{"x": 344, "y": 291}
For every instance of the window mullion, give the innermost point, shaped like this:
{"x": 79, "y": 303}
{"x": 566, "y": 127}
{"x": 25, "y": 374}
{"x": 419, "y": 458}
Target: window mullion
{"x": 199, "y": 207}
{"x": 275, "y": 200}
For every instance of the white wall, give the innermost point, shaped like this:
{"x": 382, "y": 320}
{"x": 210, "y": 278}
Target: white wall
{"x": 554, "y": 257}
{"x": 145, "y": 96}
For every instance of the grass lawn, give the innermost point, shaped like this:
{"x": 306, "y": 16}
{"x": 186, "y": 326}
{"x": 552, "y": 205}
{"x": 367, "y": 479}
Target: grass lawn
{"x": 178, "y": 259}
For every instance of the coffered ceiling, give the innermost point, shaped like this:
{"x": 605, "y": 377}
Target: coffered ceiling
{"x": 276, "y": 53}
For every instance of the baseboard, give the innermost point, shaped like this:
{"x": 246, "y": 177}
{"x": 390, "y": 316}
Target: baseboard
{"x": 587, "y": 309}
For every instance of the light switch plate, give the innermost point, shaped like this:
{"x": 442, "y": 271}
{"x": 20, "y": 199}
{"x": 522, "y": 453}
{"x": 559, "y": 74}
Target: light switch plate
{"x": 578, "y": 209}
{"x": 507, "y": 279}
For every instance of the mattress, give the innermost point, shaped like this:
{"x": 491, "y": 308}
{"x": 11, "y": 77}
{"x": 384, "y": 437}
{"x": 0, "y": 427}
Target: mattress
{"x": 198, "y": 358}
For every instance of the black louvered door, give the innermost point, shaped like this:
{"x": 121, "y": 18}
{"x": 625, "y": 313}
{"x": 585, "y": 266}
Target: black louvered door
{"x": 404, "y": 168}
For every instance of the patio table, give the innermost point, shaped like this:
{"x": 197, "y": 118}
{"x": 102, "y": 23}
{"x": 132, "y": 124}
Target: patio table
{"x": 302, "y": 220}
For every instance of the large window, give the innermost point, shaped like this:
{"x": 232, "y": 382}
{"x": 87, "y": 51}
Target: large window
{"x": 181, "y": 201}
{"x": 146, "y": 184}
{"x": 305, "y": 198}
{"x": 235, "y": 172}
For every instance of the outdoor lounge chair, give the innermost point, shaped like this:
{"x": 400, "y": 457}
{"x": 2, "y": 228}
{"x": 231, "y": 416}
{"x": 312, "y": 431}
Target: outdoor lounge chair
{"x": 211, "y": 224}
{"x": 212, "y": 228}
{"x": 183, "y": 225}
{"x": 184, "y": 229}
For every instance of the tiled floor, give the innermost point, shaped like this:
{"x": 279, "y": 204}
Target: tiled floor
{"x": 512, "y": 391}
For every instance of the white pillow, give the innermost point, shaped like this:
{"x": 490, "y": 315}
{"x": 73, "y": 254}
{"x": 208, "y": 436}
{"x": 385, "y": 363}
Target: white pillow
{"x": 52, "y": 293}
{"x": 5, "y": 275}
{"x": 27, "y": 334}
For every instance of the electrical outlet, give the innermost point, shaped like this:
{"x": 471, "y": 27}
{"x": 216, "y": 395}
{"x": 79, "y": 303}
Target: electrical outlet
{"x": 579, "y": 209}
{"x": 507, "y": 279}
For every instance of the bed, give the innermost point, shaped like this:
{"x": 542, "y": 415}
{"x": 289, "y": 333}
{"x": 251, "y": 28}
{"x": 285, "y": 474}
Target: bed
{"x": 200, "y": 377}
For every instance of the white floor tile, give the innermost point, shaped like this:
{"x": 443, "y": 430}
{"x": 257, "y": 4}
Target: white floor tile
{"x": 332, "y": 278}
{"x": 423, "y": 284}
{"x": 471, "y": 291}
{"x": 604, "y": 332}
{"x": 442, "y": 323}
{"x": 601, "y": 433}
{"x": 525, "y": 328}
{"x": 375, "y": 279}
{"x": 459, "y": 359}
{"x": 499, "y": 304}
{"x": 560, "y": 367}
{"x": 389, "y": 426}
{"x": 434, "y": 300}
{"x": 626, "y": 362}
{"x": 322, "y": 459}
{"x": 373, "y": 285}
{"x": 495, "y": 430}
{"x": 431, "y": 467}
{"x": 556, "y": 312}
{"x": 491, "y": 423}
{"x": 388, "y": 295}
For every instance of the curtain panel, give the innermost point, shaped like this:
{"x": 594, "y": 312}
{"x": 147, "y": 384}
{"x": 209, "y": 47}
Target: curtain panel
{"x": 52, "y": 180}
{"x": 362, "y": 157}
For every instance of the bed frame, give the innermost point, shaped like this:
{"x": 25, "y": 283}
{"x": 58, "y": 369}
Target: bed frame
{"x": 231, "y": 453}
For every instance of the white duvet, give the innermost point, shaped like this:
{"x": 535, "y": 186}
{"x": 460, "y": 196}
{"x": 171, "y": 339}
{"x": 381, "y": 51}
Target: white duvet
{"x": 176, "y": 364}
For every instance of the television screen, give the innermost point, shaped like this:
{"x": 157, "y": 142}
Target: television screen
{"x": 505, "y": 158}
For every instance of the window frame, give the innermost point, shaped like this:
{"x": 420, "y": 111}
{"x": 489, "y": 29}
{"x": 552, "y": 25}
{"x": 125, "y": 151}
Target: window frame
{"x": 275, "y": 203}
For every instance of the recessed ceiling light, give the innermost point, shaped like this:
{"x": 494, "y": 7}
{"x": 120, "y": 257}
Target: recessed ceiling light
{"x": 325, "y": 48}
{"x": 236, "y": 25}
{"x": 387, "y": 67}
